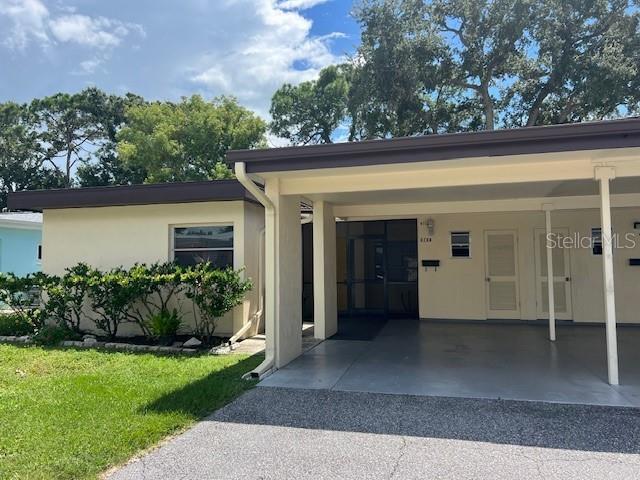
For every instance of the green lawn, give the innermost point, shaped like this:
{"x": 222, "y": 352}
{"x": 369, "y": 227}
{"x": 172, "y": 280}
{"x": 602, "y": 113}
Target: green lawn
{"x": 74, "y": 413}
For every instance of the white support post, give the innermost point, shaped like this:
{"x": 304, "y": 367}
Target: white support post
{"x": 325, "y": 301}
{"x": 550, "y": 277}
{"x": 604, "y": 175}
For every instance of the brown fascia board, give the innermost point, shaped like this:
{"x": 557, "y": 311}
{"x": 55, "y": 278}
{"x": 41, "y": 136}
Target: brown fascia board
{"x": 451, "y": 146}
{"x": 160, "y": 193}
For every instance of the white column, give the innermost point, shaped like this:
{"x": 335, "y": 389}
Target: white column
{"x": 604, "y": 175}
{"x": 550, "y": 280}
{"x": 283, "y": 289}
{"x": 325, "y": 300}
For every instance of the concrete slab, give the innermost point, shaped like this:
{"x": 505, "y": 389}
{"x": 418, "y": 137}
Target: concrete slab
{"x": 494, "y": 361}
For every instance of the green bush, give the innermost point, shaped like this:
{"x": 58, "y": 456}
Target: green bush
{"x": 214, "y": 292}
{"x": 164, "y": 325}
{"x": 51, "y": 335}
{"x": 23, "y": 296}
{"x": 66, "y": 295}
{"x": 15, "y": 324}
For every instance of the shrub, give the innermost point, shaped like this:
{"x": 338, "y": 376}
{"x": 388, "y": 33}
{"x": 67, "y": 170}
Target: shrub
{"x": 54, "y": 334}
{"x": 23, "y": 296}
{"x": 214, "y": 292}
{"x": 112, "y": 295}
{"x": 66, "y": 296}
{"x": 14, "y": 324}
{"x": 164, "y": 325}
{"x": 156, "y": 285}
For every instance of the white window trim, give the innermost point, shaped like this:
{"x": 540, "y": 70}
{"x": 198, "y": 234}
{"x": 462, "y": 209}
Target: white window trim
{"x": 172, "y": 238}
{"x": 451, "y": 233}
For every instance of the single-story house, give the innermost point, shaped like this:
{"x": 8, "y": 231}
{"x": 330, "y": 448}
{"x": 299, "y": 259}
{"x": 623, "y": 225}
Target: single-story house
{"x": 20, "y": 242}
{"x": 190, "y": 222}
{"x": 521, "y": 225}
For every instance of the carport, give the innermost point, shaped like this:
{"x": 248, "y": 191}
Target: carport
{"x": 484, "y": 206}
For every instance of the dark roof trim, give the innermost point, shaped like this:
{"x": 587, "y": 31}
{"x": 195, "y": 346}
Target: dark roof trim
{"x": 160, "y": 193}
{"x": 530, "y": 140}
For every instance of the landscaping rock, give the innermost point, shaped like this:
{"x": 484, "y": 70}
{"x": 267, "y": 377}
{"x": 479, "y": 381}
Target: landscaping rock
{"x": 192, "y": 342}
{"x": 89, "y": 340}
{"x": 220, "y": 350}
{"x": 72, "y": 343}
{"x": 188, "y": 351}
{"x": 88, "y": 336}
{"x": 177, "y": 344}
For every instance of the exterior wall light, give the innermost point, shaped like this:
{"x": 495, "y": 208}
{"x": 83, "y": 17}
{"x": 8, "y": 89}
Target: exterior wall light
{"x": 431, "y": 226}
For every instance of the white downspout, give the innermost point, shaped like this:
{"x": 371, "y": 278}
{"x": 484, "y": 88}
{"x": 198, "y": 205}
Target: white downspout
{"x": 270, "y": 212}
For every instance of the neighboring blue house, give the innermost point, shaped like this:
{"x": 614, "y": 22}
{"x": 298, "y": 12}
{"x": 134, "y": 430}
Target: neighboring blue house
{"x": 20, "y": 242}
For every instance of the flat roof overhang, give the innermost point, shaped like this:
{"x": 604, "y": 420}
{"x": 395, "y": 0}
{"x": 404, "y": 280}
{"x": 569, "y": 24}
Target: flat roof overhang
{"x": 521, "y": 141}
{"x": 159, "y": 193}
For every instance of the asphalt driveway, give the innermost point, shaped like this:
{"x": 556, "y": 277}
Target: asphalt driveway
{"x": 279, "y": 433}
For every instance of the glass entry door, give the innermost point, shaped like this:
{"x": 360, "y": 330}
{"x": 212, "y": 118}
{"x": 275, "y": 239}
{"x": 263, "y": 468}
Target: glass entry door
{"x": 377, "y": 268}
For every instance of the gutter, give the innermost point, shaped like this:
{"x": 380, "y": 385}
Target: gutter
{"x": 266, "y": 367}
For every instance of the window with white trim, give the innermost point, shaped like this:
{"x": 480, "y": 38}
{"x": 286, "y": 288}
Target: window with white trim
{"x": 596, "y": 240}
{"x": 461, "y": 244}
{"x": 193, "y": 245}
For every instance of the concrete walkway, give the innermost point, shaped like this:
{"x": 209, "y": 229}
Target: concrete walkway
{"x": 481, "y": 360}
{"x": 275, "y": 433}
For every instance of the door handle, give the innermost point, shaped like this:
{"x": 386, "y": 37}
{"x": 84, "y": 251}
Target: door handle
{"x": 488, "y": 279}
{"x": 567, "y": 279}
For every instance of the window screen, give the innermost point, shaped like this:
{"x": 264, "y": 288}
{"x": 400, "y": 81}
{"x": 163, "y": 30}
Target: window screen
{"x": 192, "y": 245}
{"x": 460, "y": 244}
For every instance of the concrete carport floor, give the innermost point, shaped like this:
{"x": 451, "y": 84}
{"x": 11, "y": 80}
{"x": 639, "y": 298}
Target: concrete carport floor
{"x": 474, "y": 360}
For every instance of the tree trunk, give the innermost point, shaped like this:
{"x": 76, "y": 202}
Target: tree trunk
{"x": 487, "y": 103}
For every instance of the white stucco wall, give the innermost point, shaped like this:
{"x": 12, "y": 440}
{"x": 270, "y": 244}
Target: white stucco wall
{"x": 107, "y": 237}
{"x": 457, "y": 289}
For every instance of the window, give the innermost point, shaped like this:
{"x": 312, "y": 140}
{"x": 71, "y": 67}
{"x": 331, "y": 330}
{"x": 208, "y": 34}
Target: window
{"x": 39, "y": 252}
{"x": 461, "y": 244}
{"x": 192, "y": 245}
{"x": 596, "y": 240}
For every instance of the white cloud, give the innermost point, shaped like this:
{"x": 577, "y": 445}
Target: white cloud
{"x": 31, "y": 21}
{"x": 27, "y": 21}
{"x": 299, "y": 4}
{"x": 98, "y": 32}
{"x": 273, "y": 46}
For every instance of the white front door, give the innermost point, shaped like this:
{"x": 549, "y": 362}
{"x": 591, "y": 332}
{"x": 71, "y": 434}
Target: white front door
{"x": 561, "y": 276}
{"x": 501, "y": 258}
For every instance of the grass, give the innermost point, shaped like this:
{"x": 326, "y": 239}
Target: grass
{"x": 74, "y": 413}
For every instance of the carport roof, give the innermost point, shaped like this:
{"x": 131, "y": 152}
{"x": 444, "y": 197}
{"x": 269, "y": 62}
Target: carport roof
{"x": 161, "y": 193}
{"x": 530, "y": 140}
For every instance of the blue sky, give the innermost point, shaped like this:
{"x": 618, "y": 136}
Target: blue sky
{"x": 163, "y": 49}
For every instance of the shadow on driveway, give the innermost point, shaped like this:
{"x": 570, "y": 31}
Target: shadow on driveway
{"x": 557, "y": 426}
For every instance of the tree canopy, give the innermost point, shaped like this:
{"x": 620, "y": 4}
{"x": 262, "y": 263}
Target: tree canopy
{"x": 187, "y": 140}
{"x": 459, "y": 65}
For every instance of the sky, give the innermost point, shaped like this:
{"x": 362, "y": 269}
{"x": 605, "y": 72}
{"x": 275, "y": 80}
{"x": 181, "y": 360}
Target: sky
{"x": 165, "y": 49}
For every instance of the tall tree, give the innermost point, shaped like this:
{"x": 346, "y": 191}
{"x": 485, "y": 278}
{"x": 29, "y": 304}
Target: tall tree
{"x": 73, "y": 127}
{"x": 21, "y": 156}
{"x": 187, "y": 140}
{"x": 311, "y": 111}
{"x": 585, "y": 66}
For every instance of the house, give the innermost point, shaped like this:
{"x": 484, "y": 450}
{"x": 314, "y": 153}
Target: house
{"x": 108, "y": 227}
{"x": 527, "y": 225}
{"x": 20, "y": 242}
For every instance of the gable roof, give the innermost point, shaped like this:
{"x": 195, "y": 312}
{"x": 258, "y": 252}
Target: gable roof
{"x": 159, "y": 193}
{"x": 451, "y": 146}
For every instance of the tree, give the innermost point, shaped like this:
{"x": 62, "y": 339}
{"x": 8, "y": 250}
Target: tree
{"x": 311, "y": 111}
{"x": 586, "y": 66}
{"x": 459, "y": 65}
{"x": 73, "y": 127}
{"x": 21, "y": 156}
{"x": 187, "y": 140}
